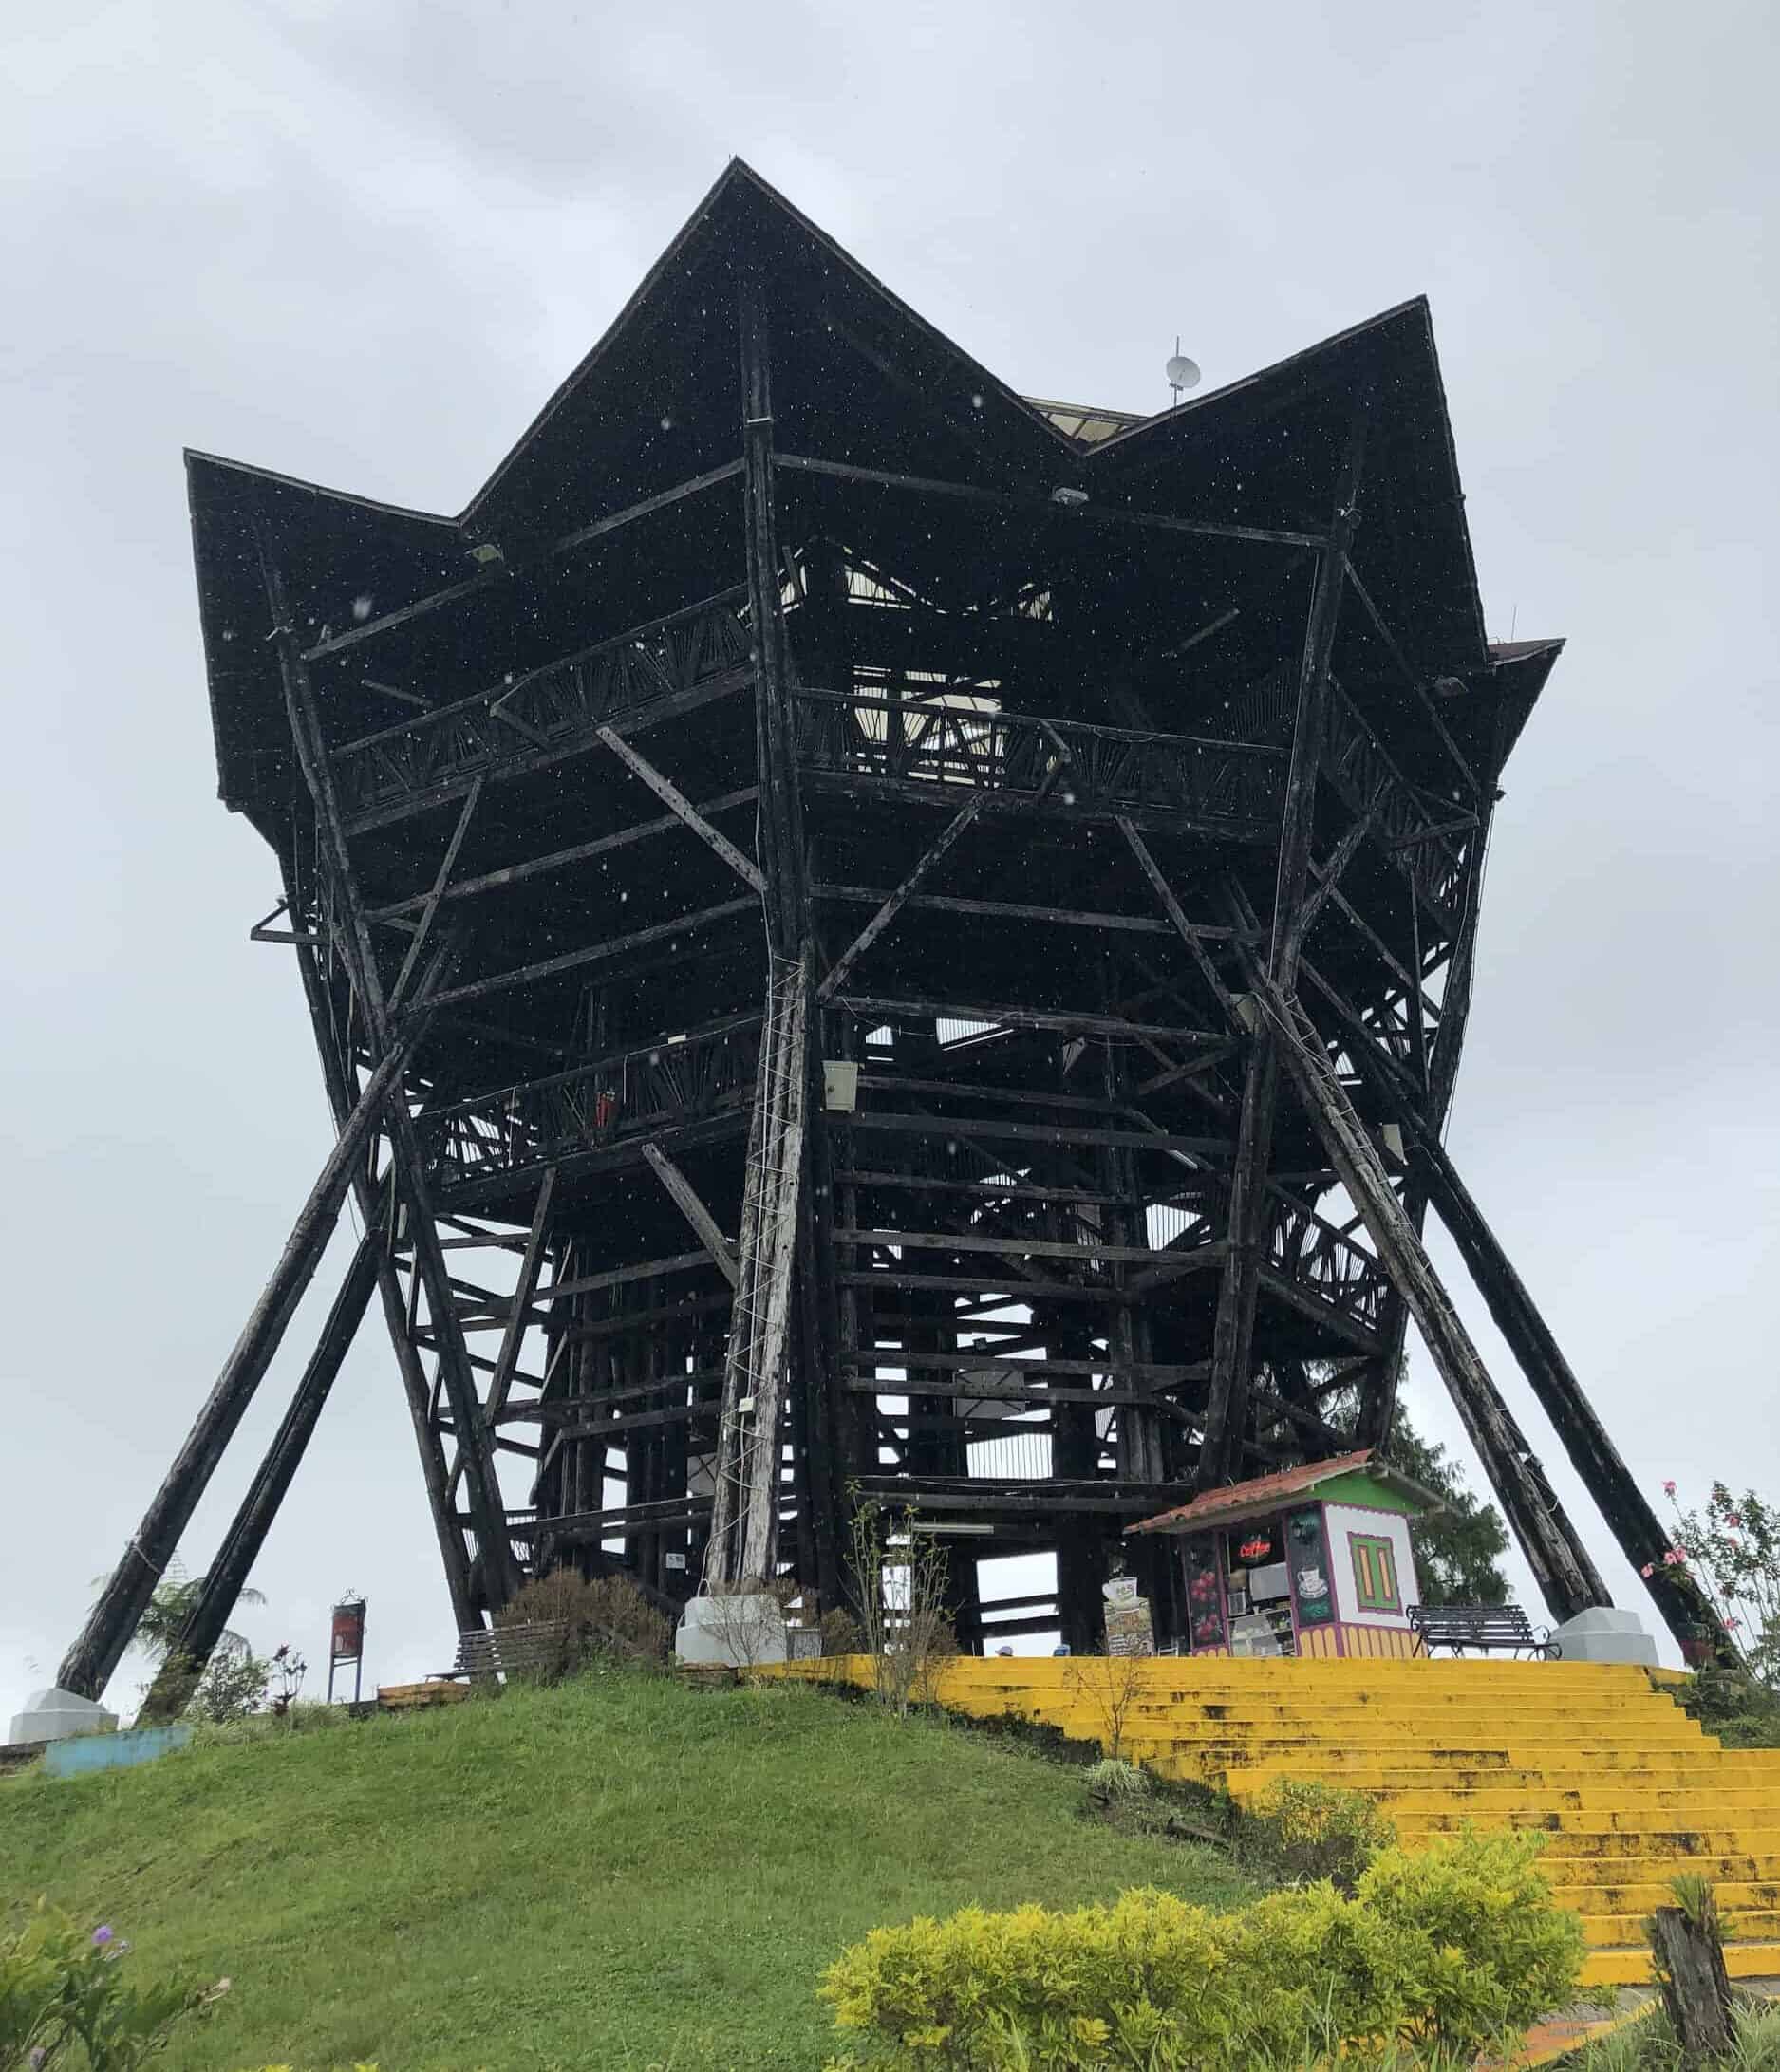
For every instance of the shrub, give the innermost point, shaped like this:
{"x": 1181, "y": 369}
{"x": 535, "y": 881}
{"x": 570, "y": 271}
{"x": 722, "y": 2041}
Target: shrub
{"x": 609, "y": 1617}
{"x": 1445, "y": 1950}
{"x": 62, "y": 1985}
{"x": 841, "y": 1632}
{"x": 1111, "y": 1779}
{"x": 1148, "y": 1980}
{"x": 1300, "y": 1829}
{"x": 1492, "y": 1950}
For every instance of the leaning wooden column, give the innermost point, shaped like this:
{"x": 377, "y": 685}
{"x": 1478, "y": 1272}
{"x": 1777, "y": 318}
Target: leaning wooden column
{"x": 1560, "y": 1562}
{"x": 414, "y": 1387}
{"x": 1232, "y": 1341}
{"x": 225, "y": 1577}
{"x": 1593, "y": 1454}
{"x": 1378, "y": 1402}
{"x": 112, "y": 1622}
{"x": 487, "y": 1508}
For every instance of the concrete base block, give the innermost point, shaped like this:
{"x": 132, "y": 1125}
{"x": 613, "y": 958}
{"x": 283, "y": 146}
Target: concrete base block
{"x": 733, "y": 1632}
{"x": 1606, "y": 1635}
{"x": 53, "y": 1715}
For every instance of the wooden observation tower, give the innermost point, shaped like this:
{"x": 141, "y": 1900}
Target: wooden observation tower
{"x": 867, "y": 934}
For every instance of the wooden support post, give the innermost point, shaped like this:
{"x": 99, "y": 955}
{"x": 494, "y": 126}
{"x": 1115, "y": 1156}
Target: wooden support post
{"x": 685, "y": 1199}
{"x": 1220, "y": 1457}
{"x": 1560, "y": 1562}
{"x": 452, "y": 1552}
{"x": 112, "y": 1622}
{"x": 225, "y": 1577}
{"x": 1689, "y": 1952}
{"x": 487, "y": 1508}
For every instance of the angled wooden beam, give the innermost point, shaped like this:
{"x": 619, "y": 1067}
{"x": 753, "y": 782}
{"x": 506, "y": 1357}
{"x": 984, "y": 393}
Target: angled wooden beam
{"x": 1177, "y": 915}
{"x": 683, "y": 808}
{"x": 934, "y": 851}
{"x": 1412, "y": 678}
{"x": 686, "y": 1201}
{"x": 225, "y": 1577}
{"x": 111, "y": 1624}
{"x": 454, "y": 1556}
{"x": 488, "y": 579}
{"x": 398, "y": 991}
{"x": 1329, "y": 877}
{"x": 520, "y": 1314}
{"x": 1043, "y": 507}
{"x": 1562, "y": 1566}
{"x": 490, "y": 880}
{"x": 359, "y": 949}
{"x": 598, "y": 953}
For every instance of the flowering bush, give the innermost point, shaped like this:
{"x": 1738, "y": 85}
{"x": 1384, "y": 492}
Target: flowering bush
{"x": 62, "y": 1986}
{"x": 1731, "y": 1551}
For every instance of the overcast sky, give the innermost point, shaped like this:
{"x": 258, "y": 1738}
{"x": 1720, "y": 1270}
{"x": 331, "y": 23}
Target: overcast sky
{"x": 361, "y": 243}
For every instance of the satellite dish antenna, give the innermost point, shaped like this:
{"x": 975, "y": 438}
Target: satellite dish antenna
{"x": 1182, "y": 372}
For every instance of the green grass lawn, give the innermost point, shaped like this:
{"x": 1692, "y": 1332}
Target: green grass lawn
{"x": 618, "y": 1874}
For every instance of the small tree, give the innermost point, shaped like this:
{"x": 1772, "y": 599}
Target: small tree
{"x": 288, "y": 1670}
{"x": 231, "y": 1687}
{"x": 900, "y": 1578}
{"x": 1110, "y": 1684}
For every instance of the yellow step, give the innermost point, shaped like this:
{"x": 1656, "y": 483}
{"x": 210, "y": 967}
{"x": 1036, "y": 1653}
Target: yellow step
{"x": 1628, "y": 1882}
{"x": 1741, "y": 1897}
{"x": 1695, "y": 1768}
{"x": 1623, "y": 1844}
{"x": 1606, "y": 1931}
{"x": 1631, "y": 1966}
{"x": 1635, "y": 1806}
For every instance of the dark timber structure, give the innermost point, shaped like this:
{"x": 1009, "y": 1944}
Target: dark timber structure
{"x": 871, "y": 936}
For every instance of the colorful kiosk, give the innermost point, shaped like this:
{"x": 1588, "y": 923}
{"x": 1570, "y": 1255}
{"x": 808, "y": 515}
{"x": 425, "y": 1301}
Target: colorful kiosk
{"x": 1313, "y": 1561}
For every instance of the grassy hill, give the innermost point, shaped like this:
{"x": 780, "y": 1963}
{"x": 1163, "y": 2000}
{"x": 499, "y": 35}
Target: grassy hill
{"x": 619, "y": 1874}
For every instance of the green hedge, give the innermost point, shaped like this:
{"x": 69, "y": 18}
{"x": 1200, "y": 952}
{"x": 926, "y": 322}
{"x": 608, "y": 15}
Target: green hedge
{"x": 1449, "y": 1950}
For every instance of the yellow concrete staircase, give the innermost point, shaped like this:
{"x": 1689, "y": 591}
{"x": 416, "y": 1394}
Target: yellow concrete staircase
{"x": 1628, "y": 1787}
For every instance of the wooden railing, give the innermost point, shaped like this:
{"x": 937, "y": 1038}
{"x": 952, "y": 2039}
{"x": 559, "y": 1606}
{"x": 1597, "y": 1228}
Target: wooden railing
{"x": 1224, "y": 785}
{"x": 1416, "y": 832}
{"x": 553, "y": 710}
{"x": 1321, "y": 1260}
{"x": 602, "y": 1102}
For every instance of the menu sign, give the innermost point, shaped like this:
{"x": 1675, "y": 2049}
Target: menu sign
{"x": 1308, "y": 1562}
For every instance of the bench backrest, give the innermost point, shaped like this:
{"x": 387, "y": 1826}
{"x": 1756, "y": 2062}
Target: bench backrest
{"x": 1476, "y": 1623}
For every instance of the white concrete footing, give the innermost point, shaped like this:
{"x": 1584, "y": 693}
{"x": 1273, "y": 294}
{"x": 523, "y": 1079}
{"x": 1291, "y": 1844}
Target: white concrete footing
{"x": 736, "y": 1633}
{"x": 1606, "y": 1635}
{"x": 53, "y": 1715}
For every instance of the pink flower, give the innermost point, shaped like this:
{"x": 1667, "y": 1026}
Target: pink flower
{"x": 1649, "y": 1569}
{"x": 1734, "y": 1623}
{"x": 1668, "y": 1489}
{"x": 1732, "y": 1519}
{"x": 1674, "y": 1559}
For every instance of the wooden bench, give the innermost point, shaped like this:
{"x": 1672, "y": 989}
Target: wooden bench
{"x": 1481, "y": 1626}
{"x": 508, "y": 1649}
